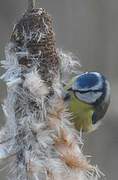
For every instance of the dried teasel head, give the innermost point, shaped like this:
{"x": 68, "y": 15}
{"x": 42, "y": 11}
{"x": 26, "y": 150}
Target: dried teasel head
{"x": 34, "y": 43}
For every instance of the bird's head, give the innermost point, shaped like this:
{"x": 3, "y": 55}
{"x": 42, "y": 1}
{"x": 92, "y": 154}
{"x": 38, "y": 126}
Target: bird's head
{"x": 91, "y": 92}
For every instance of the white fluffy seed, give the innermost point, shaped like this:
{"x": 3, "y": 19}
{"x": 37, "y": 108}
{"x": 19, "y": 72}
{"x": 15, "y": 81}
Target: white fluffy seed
{"x": 35, "y": 84}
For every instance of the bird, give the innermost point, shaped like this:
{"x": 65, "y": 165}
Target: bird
{"x": 88, "y": 97}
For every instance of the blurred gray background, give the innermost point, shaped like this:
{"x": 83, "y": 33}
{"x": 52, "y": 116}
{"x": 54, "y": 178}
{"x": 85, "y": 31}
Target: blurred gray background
{"x": 89, "y": 29}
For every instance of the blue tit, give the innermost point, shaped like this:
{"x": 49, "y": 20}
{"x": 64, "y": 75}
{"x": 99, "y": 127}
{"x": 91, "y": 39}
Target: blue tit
{"x": 90, "y": 98}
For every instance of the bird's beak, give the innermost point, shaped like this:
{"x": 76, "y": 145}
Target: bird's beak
{"x": 69, "y": 89}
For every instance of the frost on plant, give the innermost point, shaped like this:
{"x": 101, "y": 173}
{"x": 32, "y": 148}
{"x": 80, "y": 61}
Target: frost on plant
{"x": 38, "y": 140}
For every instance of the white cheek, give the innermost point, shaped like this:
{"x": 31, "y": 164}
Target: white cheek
{"x": 89, "y": 97}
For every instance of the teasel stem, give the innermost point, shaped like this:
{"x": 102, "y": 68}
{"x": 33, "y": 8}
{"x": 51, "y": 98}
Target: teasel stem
{"x": 31, "y": 4}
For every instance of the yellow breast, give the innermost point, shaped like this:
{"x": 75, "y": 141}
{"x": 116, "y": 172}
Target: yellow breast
{"x": 82, "y": 114}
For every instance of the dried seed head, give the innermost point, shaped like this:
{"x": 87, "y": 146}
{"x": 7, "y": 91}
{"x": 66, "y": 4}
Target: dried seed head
{"x": 34, "y": 42}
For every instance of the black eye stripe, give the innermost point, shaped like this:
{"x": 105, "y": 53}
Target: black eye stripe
{"x": 82, "y": 92}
